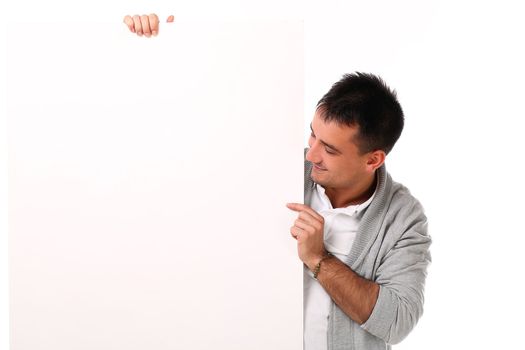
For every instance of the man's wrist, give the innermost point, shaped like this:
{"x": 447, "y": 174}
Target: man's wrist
{"x": 315, "y": 264}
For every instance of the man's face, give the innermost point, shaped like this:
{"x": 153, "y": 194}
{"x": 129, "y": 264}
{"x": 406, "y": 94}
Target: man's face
{"x": 334, "y": 155}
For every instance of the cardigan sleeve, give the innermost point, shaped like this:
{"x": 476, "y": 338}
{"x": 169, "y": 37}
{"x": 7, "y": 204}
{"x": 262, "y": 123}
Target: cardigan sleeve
{"x": 401, "y": 276}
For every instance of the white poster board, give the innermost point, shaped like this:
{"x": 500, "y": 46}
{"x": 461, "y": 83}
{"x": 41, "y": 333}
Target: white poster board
{"x": 147, "y": 186}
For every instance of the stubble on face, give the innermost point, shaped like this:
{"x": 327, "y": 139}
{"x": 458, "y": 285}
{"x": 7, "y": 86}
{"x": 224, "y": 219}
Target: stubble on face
{"x": 332, "y": 166}
{"x": 343, "y": 175}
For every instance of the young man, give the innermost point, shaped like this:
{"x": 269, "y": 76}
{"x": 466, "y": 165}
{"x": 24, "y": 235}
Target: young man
{"x": 361, "y": 236}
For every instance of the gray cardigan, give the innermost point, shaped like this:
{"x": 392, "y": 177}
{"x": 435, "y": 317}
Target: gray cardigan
{"x": 391, "y": 248}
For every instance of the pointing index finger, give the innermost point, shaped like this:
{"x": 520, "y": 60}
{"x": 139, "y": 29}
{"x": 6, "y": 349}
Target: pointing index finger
{"x": 295, "y": 206}
{"x": 303, "y": 207}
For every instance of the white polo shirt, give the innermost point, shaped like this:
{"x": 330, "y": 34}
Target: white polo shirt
{"x": 340, "y": 228}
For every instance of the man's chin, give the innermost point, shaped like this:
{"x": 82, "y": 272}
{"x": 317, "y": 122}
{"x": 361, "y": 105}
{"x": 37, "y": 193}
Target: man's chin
{"x": 316, "y": 178}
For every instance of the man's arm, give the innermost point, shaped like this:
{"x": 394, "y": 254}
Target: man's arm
{"x": 401, "y": 276}
{"x": 390, "y": 306}
{"x": 355, "y": 295}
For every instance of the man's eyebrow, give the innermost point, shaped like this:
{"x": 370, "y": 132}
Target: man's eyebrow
{"x": 324, "y": 143}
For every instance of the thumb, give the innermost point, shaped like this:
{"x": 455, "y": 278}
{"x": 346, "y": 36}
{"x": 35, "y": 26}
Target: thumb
{"x": 129, "y": 22}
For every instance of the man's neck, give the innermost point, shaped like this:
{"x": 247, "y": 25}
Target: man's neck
{"x": 341, "y": 198}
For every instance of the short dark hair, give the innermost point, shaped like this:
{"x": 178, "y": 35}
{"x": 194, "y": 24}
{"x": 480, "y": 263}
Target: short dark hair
{"x": 364, "y": 100}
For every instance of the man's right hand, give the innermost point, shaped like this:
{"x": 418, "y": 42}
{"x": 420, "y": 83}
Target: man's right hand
{"x": 146, "y": 25}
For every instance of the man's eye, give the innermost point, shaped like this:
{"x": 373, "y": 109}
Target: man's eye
{"x": 329, "y": 152}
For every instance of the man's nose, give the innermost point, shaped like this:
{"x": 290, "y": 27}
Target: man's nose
{"x": 312, "y": 155}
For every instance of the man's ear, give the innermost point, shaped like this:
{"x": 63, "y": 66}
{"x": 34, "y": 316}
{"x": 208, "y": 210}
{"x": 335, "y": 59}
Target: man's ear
{"x": 375, "y": 160}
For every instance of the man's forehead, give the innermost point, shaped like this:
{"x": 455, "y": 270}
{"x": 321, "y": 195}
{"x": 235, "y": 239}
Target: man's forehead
{"x": 339, "y": 135}
{"x": 333, "y": 127}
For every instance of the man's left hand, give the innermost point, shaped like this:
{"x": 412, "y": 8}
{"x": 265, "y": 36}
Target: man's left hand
{"x": 308, "y": 230}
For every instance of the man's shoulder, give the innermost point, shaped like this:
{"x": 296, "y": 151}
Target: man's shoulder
{"x": 400, "y": 192}
{"x": 405, "y": 209}
{"x": 308, "y": 182}
{"x": 405, "y": 219}
{"x": 402, "y": 195}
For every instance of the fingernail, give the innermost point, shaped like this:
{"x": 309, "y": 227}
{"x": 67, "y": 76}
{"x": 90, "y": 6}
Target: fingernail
{"x": 154, "y": 33}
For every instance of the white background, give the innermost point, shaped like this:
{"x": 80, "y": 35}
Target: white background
{"x": 457, "y": 67}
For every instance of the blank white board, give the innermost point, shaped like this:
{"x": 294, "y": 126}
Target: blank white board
{"x": 147, "y": 186}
